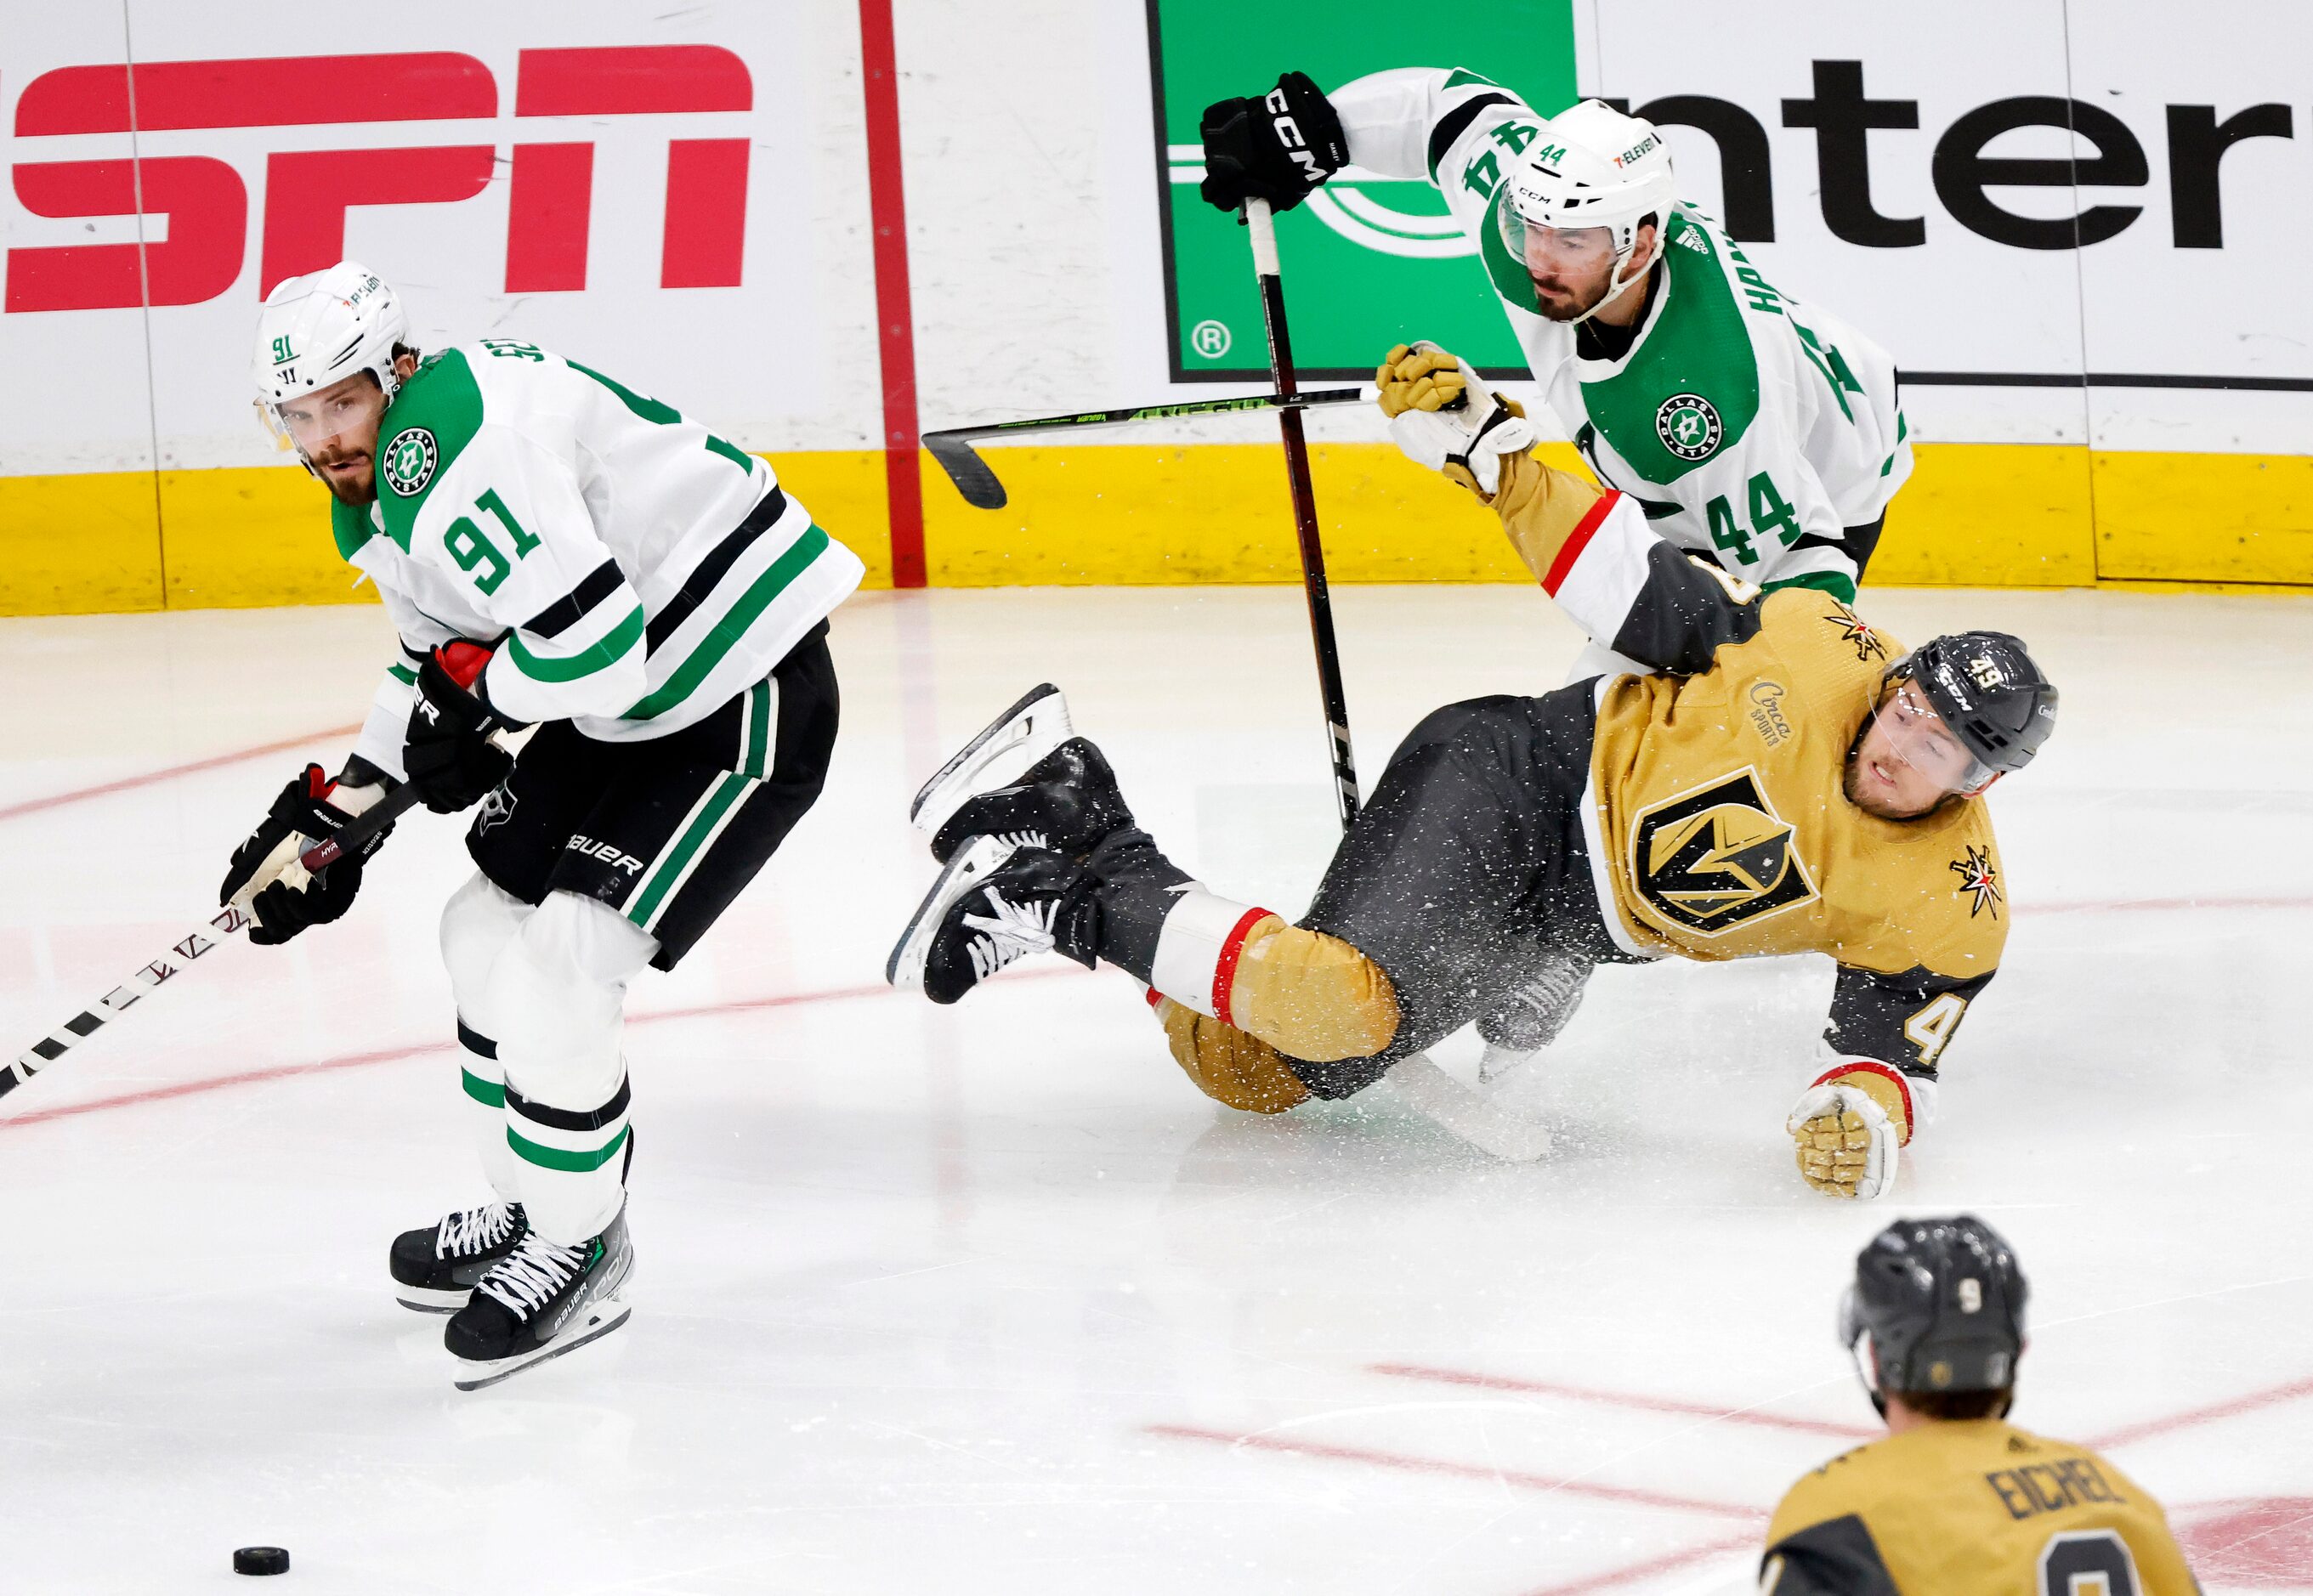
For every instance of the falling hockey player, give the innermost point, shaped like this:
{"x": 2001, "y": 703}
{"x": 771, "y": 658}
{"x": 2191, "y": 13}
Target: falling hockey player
{"x": 557, "y": 550}
{"x": 1788, "y": 780}
{"x": 1753, "y": 429}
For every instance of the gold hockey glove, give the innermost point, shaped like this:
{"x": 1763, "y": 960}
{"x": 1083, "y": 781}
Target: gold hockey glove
{"x": 1445, "y": 420}
{"x": 1848, "y": 1128}
{"x": 1418, "y": 378}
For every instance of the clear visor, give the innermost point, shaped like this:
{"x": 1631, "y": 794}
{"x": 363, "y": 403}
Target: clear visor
{"x": 344, "y": 415}
{"x": 1853, "y": 1336}
{"x": 1555, "y": 251}
{"x": 1914, "y": 732}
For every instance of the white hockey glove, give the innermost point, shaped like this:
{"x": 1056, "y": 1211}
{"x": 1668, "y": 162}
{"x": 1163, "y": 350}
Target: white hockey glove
{"x": 1441, "y": 417}
{"x": 1847, "y": 1140}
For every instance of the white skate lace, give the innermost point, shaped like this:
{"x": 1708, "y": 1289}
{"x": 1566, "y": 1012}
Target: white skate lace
{"x": 474, "y": 1230}
{"x": 1022, "y": 839}
{"x": 1013, "y": 933}
{"x": 1554, "y": 986}
{"x": 533, "y": 1272}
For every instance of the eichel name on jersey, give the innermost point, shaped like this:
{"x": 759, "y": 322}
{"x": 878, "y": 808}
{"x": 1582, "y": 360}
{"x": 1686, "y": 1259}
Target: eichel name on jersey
{"x": 1751, "y": 430}
{"x": 1956, "y": 1508}
{"x": 587, "y": 531}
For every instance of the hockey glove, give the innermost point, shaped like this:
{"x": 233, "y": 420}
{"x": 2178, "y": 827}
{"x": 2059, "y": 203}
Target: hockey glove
{"x": 448, "y": 754}
{"x": 1849, "y": 1126}
{"x": 1440, "y": 417}
{"x": 265, "y": 875}
{"x": 1277, "y": 148}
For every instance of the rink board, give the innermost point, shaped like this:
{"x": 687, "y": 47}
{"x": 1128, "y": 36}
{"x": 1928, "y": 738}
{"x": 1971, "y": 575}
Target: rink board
{"x": 1973, "y": 514}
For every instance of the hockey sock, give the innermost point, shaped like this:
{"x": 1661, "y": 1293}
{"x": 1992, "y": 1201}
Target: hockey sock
{"x": 559, "y": 993}
{"x": 479, "y": 923}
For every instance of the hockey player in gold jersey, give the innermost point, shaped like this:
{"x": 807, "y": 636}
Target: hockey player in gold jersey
{"x": 1954, "y": 1501}
{"x": 1791, "y": 782}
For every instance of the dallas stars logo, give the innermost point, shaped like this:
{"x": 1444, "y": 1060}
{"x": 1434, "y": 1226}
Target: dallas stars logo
{"x": 1688, "y": 426}
{"x": 408, "y": 461}
{"x": 1854, "y": 628}
{"x": 1979, "y": 875}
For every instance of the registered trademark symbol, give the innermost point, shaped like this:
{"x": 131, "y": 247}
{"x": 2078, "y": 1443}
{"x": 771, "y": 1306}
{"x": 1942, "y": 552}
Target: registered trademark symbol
{"x": 1210, "y": 339}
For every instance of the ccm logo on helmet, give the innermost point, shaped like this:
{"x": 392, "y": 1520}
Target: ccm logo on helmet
{"x": 307, "y": 192}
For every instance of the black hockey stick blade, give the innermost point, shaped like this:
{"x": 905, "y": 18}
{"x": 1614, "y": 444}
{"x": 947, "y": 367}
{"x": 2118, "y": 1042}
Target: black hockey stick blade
{"x": 976, "y": 481}
{"x": 966, "y": 469}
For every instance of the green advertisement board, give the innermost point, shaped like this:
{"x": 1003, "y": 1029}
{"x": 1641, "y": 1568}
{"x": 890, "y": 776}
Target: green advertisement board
{"x": 1367, "y": 263}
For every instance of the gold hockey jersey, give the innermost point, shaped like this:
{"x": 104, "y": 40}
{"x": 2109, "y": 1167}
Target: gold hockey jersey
{"x": 1973, "y": 1507}
{"x": 1718, "y": 825}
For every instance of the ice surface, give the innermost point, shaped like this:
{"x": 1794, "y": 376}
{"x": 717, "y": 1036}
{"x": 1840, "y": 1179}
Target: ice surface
{"x": 989, "y": 1299}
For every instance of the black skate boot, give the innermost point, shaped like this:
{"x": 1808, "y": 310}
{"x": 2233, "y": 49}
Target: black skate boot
{"x": 994, "y": 905}
{"x": 1531, "y": 1017}
{"x": 539, "y": 1302}
{"x": 1066, "y": 802}
{"x": 434, "y": 1269}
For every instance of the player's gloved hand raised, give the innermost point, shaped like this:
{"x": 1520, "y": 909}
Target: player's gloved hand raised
{"x": 1443, "y": 417}
{"x": 266, "y": 876}
{"x": 1849, "y": 1126}
{"x": 1277, "y": 147}
{"x": 448, "y": 754}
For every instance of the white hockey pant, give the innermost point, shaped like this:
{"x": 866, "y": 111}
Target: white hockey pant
{"x": 541, "y": 996}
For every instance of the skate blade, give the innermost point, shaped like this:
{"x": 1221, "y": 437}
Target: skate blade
{"x": 602, "y": 1316}
{"x": 1000, "y": 755}
{"x": 977, "y": 861}
{"x": 1483, "y": 1124}
{"x": 424, "y": 1299}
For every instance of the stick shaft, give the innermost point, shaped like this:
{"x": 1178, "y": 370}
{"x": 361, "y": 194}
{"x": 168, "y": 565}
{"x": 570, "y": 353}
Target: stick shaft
{"x": 1263, "y": 227}
{"x": 1218, "y": 406}
{"x": 141, "y": 982}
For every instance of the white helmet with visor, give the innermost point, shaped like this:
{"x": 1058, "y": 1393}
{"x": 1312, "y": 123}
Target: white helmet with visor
{"x": 317, "y": 330}
{"x": 1591, "y": 166}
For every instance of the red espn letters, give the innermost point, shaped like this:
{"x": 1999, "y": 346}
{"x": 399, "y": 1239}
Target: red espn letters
{"x": 307, "y": 192}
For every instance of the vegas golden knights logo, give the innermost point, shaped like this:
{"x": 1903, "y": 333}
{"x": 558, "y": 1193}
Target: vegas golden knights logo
{"x": 1714, "y": 859}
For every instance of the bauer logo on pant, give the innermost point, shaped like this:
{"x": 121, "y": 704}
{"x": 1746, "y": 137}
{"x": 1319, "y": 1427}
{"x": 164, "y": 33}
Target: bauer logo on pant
{"x": 408, "y": 465}
{"x": 1688, "y": 426}
{"x": 1714, "y": 859}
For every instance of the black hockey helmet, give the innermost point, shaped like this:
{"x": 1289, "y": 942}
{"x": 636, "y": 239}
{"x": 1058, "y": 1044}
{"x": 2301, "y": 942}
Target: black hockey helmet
{"x": 1988, "y": 690}
{"x": 1937, "y": 1306}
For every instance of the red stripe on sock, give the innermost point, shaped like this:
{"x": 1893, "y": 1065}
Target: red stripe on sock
{"x": 1224, "y": 967}
{"x": 1577, "y": 541}
{"x": 1872, "y": 1067}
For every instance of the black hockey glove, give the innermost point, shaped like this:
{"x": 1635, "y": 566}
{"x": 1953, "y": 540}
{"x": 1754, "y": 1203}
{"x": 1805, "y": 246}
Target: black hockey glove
{"x": 1277, "y": 148}
{"x": 301, "y": 814}
{"x": 448, "y": 754}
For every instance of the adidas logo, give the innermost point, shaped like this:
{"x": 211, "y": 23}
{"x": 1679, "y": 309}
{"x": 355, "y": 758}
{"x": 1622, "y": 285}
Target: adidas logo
{"x": 1693, "y": 241}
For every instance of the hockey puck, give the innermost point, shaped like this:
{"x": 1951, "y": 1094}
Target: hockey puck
{"x": 260, "y": 1559}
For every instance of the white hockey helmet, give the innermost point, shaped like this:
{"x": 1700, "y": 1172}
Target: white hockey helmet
{"x": 320, "y": 328}
{"x": 1593, "y": 166}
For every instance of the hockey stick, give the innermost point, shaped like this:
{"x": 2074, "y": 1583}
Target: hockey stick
{"x": 976, "y": 481}
{"x": 203, "y": 941}
{"x": 1305, "y": 508}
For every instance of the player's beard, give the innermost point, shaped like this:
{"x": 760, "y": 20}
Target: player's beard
{"x": 356, "y": 489}
{"x": 1851, "y": 784}
{"x": 1571, "y": 300}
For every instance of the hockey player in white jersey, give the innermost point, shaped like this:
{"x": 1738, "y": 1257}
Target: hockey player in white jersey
{"x": 1753, "y": 429}
{"x": 557, "y": 550}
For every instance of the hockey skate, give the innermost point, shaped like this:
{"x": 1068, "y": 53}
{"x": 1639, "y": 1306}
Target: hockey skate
{"x": 994, "y": 905}
{"x": 1531, "y": 1017}
{"x": 435, "y": 1269}
{"x": 1000, "y": 755}
{"x": 539, "y": 1302}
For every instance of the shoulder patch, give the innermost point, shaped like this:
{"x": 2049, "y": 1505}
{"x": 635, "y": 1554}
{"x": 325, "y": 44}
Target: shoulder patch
{"x": 1854, "y": 628}
{"x": 408, "y": 461}
{"x": 1979, "y": 880}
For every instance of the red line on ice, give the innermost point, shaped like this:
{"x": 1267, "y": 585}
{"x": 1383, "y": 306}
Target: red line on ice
{"x": 130, "y": 782}
{"x": 1407, "y": 1463}
{"x": 2193, "y": 1417}
{"x": 1543, "y": 1387}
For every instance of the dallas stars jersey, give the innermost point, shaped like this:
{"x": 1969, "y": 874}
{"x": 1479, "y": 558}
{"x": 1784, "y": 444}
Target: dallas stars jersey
{"x": 1717, "y": 818}
{"x": 633, "y": 570}
{"x": 1751, "y": 428}
{"x": 1959, "y": 1508}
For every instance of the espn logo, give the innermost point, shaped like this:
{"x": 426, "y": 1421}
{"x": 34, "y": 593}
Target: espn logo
{"x": 204, "y": 201}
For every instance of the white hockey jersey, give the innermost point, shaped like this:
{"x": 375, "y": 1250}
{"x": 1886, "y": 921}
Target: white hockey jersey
{"x": 1753, "y": 429}
{"x": 632, "y": 570}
